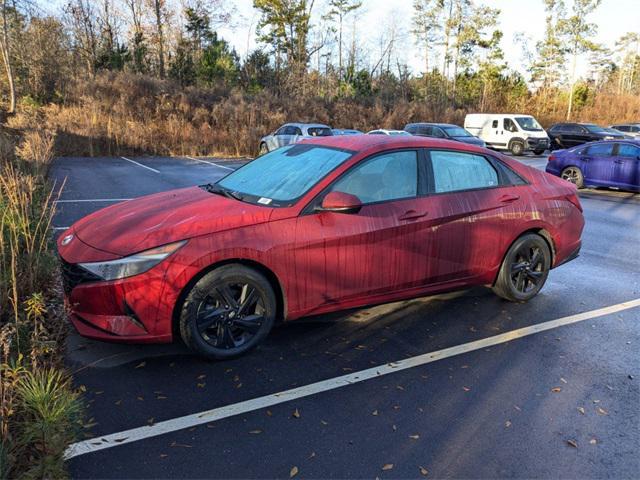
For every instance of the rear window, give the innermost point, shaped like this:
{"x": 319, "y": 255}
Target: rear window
{"x": 456, "y": 171}
{"x": 320, "y": 131}
{"x": 627, "y": 150}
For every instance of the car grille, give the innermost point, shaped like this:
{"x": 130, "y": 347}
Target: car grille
{"x": 74, "y": 275}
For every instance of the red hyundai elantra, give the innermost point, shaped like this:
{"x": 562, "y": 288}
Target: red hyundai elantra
{"x": 323, "y": 225}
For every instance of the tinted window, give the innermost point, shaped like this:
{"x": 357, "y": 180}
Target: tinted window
{"x": 290, "y": 130}
{"x": 284, "y": 174}
{"x": 634, "y": 129}
{"x": 281, "y": 131}
{"x": 425, "y": 130}
{"x": 438, "y": 133}
{"x": 622, "y": 128}
{"x": 457, "y": 132}
{"x": 410, "y": 128}
{"x": 386, "y": 177}
{"x": 574, "y": 129}
{"x": 626, "y": 150}
{"x": 319, "y": 131}
{"x": 454, "y": 171}
{"x": 557, "y": 128}
{"x": 595, "y": 129}
{"x": 600, "y": 149}
{"x": 376, "y": 132}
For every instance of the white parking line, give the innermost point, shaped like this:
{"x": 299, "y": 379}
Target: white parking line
{"x": 93, "y": 200}
{"x": 207, "y": 162}
{"x": 140, "y": 165}
{"x": 180, "y": 423}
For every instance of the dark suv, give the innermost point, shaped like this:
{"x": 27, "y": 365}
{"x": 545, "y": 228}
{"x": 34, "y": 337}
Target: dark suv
{"x": 567, "y": 135}
{"x": 443, "y": 130}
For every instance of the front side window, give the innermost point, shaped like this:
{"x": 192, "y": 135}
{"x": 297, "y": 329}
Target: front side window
{"x": 509, "y": 125}
{"x": 438, "y": 133}
{"x": 391, "y": 176}
{"x": 622, "y": 128}
{"x": 600, "y": 150}
{"x": 283, "y": 175}
{"x": 595, "y": 129}
{"x": 626, "y": 150}
{"x": 455, "y": 171}
{"x": 425, "y": 130}
{"x": 282, "y": 130}
{"x": 319, "y": 131}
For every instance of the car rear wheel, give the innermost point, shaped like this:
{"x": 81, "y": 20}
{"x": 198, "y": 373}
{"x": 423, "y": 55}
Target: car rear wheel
{"x": 263, "y": 149}
{"x": 524, "y": 269}
{"x": 573, "y": 175}
{"x": 228, "y": 312}
{"x": 517, "y": 148}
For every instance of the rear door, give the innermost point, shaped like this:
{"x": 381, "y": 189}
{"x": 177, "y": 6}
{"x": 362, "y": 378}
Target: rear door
{"x": 627, "y": 165}
{"x": 598, "y": 164}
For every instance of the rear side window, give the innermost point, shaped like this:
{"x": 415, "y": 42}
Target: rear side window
{"x": 600, "y": 150}
{"x": 391, "y": 176}
{"x": 626, "y": 150}
{"x": 319, "y": 132}
{"x": 494, "y": 124}
{"x": 622, "y": 128}
{"x": 456, "y": 171}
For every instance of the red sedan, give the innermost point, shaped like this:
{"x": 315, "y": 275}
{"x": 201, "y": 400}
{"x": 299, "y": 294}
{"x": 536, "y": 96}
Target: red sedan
{"x": 320, "y": 226}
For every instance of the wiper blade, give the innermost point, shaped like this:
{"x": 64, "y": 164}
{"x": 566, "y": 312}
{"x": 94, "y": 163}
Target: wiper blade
{"x": 217, "y": 189}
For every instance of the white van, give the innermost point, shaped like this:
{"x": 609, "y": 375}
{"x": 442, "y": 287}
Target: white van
{"x": 508, "y": 131}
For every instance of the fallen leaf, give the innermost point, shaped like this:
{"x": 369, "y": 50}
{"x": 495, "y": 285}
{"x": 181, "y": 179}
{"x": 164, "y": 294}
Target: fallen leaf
{"x": 313, "y": 454}
{"x": 118, "y": 402}
{"x": 239, "y": 385}
{"x": 183, "y": 445}
{"x": 296, "y": 413}
{"x": 414, "y": 437}
{"x": 466, "y": 389}
{"x": 140, "y": 398}
{"x": 394, "y": 427}
{"x": 593, "y": 441}
{"x": 602, "y": 411}
{"x": 556, "y": 389}
{"x": 255, "y": 432}
{"x": 269, "y": 413}
{"x": 99, "y": 392}
{"x": 82, "y": 388}
{"x": 201, "y": 385}
{"x": 423, "y": 471}
{"x": 387, "y": 466}
{"x": 150, "y": 421}
{"x": 375, "y": 413}
{"x": 293, "y": 472}
{"x": 323, "y": 422}
{"x": 507, "y": 424}
{"x": 399, "y": 387}
{"x": 563, "y": 380}
{"x": 572, "y": 443}
{"x": 517, "y": 408}
{"x": 163, "y": 455}
{"x": 161, "y": 397}
{"x": 200, "y": 377}
{"x": 141, "y": 365}
{"x": 581, "y": 410}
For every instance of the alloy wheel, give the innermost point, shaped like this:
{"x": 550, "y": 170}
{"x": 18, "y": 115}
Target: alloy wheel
{"x": 571, "y": 174}
{"x": 527, "y": 269}
{"x": 230, "y": 315}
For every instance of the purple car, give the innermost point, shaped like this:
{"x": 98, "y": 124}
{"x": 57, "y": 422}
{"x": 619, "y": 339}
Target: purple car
{"x": 601, "y": 164}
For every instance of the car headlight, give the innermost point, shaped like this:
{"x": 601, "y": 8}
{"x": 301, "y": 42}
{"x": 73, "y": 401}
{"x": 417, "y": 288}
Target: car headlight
{"x": 133, "y": 264}
{"x": 608, "y": 137}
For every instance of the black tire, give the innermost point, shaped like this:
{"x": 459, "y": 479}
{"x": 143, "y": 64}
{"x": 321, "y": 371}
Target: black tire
{"x": 263, "y": 148}
{"x": 227, "y": 312}
{"x": 524, "y": 270}
{"x": 574, "y": 175}
{"x": 538, "y": 151}
{"x": 517, "y": 148}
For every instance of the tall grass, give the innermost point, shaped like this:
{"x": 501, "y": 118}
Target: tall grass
{"x": 38, "y": 406}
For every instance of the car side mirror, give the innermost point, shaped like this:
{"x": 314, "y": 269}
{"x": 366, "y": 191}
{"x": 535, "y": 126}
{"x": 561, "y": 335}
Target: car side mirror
{"x": 340, "y": 202}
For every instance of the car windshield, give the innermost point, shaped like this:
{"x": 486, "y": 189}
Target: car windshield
{"x": 595, "y": 129}
{"x": 529, "y": 123}
{"x": 320, "y": 131}
{"x": 283, "y": 175}
{"x": 457, "y": 132}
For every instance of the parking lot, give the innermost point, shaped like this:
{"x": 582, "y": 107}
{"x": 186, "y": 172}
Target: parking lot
{"x": 493, "y": 389}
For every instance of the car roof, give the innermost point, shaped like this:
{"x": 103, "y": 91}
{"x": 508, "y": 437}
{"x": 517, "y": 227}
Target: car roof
{"x": 361, "y": 143}
{"x": 430, "y": 124}
{"x": 306, "y": 125}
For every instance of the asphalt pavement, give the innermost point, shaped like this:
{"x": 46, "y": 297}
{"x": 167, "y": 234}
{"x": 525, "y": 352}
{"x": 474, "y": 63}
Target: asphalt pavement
{"x": 564, "y": 402}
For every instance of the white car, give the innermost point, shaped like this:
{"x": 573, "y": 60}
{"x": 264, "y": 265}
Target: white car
{"x": 629, "y": 129}
{"x": 511, "y": 131}
{"x": 382, "y": 131}
{"x": 293, "y": 133}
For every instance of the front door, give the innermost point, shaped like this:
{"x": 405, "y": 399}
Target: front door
{"x": 344, "y": 256}
{"x": 598, "y": 164}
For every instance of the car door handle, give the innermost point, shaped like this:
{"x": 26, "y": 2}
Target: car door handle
{"x": 618, "y": 161}
{"x": 585, "y": 159}
{"x": 509, "y": 198}
{"x": 412, "y": 215}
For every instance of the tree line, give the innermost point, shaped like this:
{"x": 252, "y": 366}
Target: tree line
{"x": 315, "y": 48}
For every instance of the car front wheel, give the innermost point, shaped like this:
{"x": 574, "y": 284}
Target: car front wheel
{"x": 524, "y": 269}
{"x": 517, "y": 148}
{"x": 228, "y": 312}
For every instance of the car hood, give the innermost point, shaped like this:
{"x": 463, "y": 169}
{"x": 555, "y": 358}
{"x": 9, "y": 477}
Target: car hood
{"x": 154, "y": 220}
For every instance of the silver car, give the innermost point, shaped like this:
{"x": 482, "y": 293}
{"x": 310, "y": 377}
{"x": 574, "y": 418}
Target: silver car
{"x": 293, "y": 133}
{"x": 630, "y": 129}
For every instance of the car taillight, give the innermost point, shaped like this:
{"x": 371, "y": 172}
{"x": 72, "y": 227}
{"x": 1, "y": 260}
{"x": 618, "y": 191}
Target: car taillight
{"x": 552, "y": 157}
{"x": 573, "y": 198}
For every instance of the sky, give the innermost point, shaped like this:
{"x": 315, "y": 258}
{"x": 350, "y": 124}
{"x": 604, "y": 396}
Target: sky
{"x": 613, "y": 17}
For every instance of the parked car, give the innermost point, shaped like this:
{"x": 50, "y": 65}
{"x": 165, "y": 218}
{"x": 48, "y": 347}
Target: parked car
{"x": 293, "y": 133}
{"x": 346, "y": 131}
{"x": 443, "y": 130}
{"x": 630, "y": 129}
{"x": 601, "y": 164}
{"x": 323, "y": 225}
{"x": 567, "y": 135}
{"x": 513, "y": 132}
{"x": 382, "y": 131}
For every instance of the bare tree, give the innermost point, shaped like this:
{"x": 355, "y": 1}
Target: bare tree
{"x": 5, "y": 40}
{"x": 82, "y": 21}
